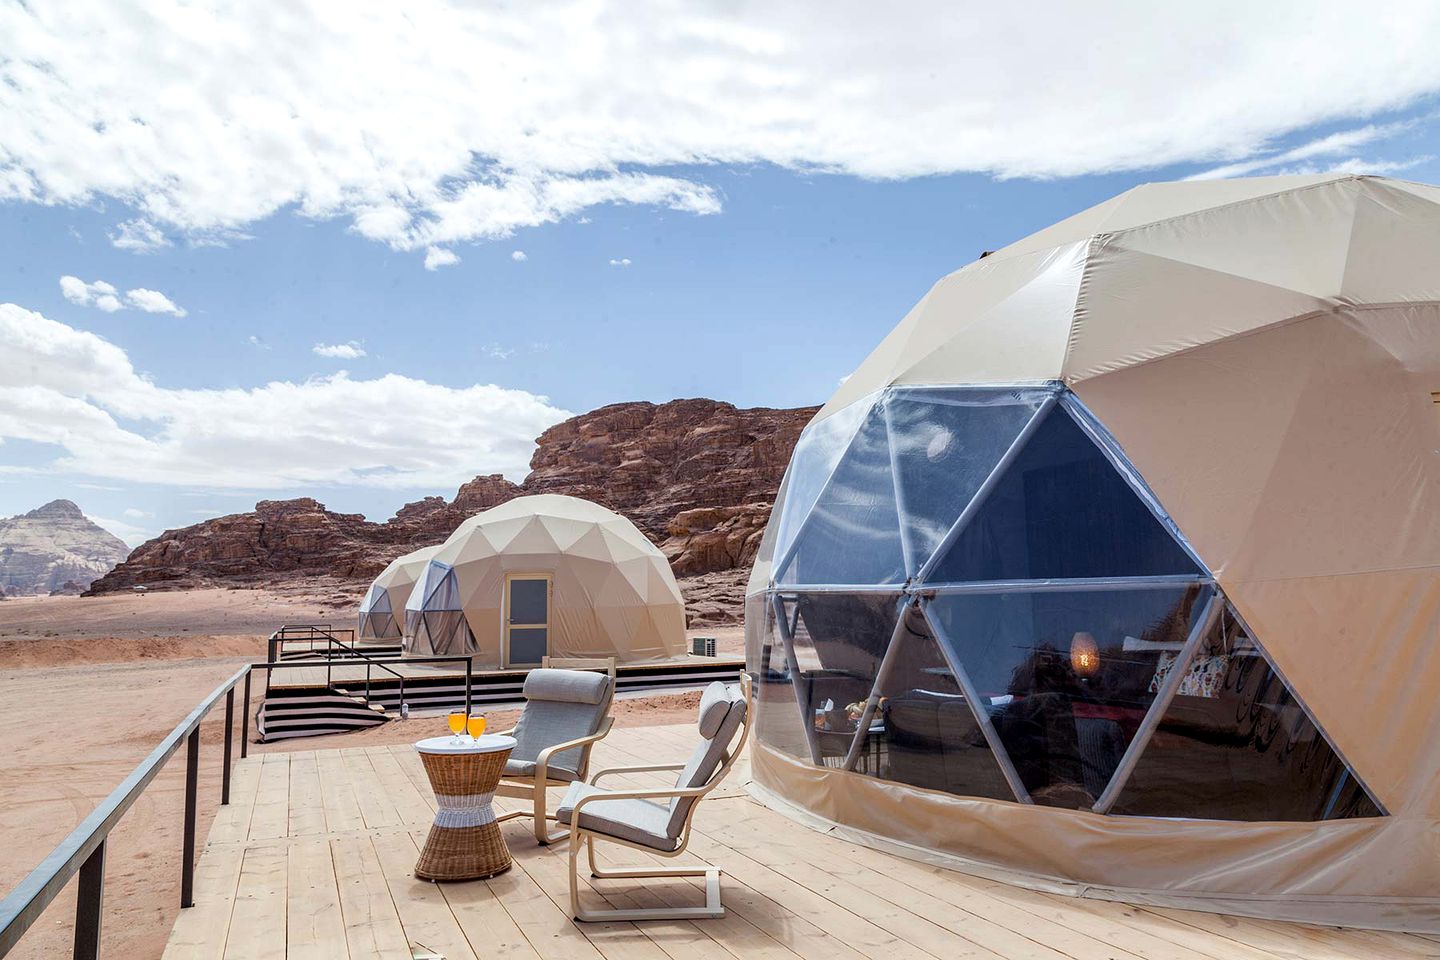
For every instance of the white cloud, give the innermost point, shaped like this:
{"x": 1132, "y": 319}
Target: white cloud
{"x": 139, "y": 236}
{"x": 437, "y": 257}
{"x": 496, "y": 352}
{"x": 80, "y": 393}
{"x": 152, "y": 301}
{"x": 519, "y": 256}
{"x": 135, "y": 514}
{"x": 427, "y": 124}
{"x": 256, "y": 341}
{"x": 622, "y": 262}
{"x": 131, "y": 533}
{"x": 351, "y": 350}
{"x": 105, "y": 297}
{"x": 1331, "y": 145}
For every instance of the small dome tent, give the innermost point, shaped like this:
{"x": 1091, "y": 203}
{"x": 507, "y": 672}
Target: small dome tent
{"x": 382, "y": 611}
{"x": 1115, "y": 568}
{"x": 546, "y": 575}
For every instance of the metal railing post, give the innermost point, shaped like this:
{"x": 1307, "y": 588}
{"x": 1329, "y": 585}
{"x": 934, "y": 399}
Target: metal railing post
{"x": 90, "y": 905}
{"x": 192, "y": 784}
{"x": 245, "y": 718}
{"x": 229, "y": 736}
{"x": 467, "y": 686}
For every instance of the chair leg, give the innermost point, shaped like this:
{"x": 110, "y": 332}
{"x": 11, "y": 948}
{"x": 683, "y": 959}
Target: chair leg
{"x": 540, "y": 816}
{"x": 711, "y": 910}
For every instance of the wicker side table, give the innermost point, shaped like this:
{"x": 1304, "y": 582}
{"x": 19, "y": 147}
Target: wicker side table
{"x": 465, "y": 842}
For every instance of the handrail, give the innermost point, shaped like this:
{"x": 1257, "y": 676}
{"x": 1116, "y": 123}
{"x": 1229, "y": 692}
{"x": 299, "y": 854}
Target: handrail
{"x": 273, "y": 665}
{"x": 83, "y": 851}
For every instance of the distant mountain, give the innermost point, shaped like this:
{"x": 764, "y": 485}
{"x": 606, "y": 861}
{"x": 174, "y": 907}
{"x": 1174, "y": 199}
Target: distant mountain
{"x": 698, "y": 477}
{"x": 55, "y": 548}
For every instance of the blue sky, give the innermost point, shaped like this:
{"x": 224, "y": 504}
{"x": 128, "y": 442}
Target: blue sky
{"x": 759, "y": 275}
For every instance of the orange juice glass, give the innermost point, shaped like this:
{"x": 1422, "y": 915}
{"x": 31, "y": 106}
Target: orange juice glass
{"x": 476, "y": 726}
{"x": 457, "y": 724}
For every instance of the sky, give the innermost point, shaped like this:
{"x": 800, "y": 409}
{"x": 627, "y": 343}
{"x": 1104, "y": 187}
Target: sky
{"x": 366, "y": 251}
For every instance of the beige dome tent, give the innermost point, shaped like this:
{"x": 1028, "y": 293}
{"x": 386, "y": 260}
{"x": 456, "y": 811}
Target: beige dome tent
{"x": 382, "y": 611}
{"x": 1115, "y": 568}
{"x": 546, "y": 575}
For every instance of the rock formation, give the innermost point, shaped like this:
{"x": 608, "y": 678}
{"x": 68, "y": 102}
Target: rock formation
{"x": 54, "y": 548}
{"x": 697, "y": 476}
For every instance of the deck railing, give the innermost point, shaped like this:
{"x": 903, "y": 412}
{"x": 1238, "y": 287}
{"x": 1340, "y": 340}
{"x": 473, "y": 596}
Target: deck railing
{"x": 83, "y": 851}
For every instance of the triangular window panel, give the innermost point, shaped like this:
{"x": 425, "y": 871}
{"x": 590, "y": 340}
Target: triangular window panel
{"x": 852, "y": 535}
{"x": 1067, "y": 677}
{"x": 819, "y": 449}
{"x": 1062, "y": 511}
{"x": 1235, "y": 744}
{"x": 378, "y": 601}
{"x": 945, "y": 444}
{"x": 839, "y": 641}
{"x": 924, "y": 733}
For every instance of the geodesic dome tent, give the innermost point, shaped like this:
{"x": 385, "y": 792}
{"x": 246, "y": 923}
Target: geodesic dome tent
{"x": 546, "y": 575}
{"x": 1115, "y": 568}
{"x": 382, "y": 611}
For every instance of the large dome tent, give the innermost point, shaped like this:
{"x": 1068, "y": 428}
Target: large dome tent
{"x": 1115, "y": 567}
{"x": 546, "y": 575}
{"x": 382, "y": 610}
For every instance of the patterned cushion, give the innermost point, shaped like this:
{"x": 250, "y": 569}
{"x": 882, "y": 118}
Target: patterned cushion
{"x": 640, "y": 821}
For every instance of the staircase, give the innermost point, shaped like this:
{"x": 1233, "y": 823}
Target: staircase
{"x": 288, "y": 712}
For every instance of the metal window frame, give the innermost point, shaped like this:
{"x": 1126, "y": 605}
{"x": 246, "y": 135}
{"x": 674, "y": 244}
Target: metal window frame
{"x": 1091, "y": 426}
{"x": 1233, "y": 611}
{"x": 1077, "y": 585}
{"x": 787, "y": 640}
{"x": 882, "y": 673}
{"x": 987, "y": 486}
{"x": 972, "y": 697}
{"x": 1163, "y": 697}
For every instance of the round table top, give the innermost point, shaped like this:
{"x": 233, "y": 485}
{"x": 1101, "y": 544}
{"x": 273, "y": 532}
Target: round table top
{"x": 488, "y": 743}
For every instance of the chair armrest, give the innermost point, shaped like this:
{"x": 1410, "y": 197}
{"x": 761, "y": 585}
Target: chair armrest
{"x": 644, "y": 768}
{"x": 503, "y": 733}
{"x": 542, "y": 761}
{"x": 656, "y": 794}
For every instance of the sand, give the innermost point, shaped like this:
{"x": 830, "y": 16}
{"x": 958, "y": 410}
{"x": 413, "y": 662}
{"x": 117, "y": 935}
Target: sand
{"x": 91, "y": 685}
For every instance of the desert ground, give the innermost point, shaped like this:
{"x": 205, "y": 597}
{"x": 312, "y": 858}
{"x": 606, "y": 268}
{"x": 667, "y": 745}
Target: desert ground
{"x": 92, "y": 684}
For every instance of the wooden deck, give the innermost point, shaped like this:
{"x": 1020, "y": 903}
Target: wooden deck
{"x": 312, "y": 859}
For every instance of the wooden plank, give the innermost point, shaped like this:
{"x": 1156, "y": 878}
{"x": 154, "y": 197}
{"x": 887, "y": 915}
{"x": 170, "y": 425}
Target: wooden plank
{"x": 375, "y": 807}
{"x": 424, "y": 914}
{"x": 549, "y": 929}
{"x": 271, "y": 818}
{"x": 372, "y": 925}
{"x": 257, "y": 923}
{"x": 199, "y": 932}
{"x": 482, "y": 917}
{"x": 314, "y": 928}
{"x": 232, "y": 822}
{"x": 337, "y": 796}
{"x": 412, "y": 806}
{"x": 1293, "y": 941}
{"x": 810, "y": 854}
{"x": 307, "y": 811}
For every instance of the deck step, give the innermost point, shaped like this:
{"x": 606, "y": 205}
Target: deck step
{"x": 309, "y": 711}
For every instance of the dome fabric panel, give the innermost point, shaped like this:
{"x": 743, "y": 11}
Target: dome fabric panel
{"x": 394, "y": 584}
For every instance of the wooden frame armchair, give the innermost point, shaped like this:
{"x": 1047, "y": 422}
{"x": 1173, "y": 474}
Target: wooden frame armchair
{"x": 631, "y": 818}
{"x": 567, "y": 706}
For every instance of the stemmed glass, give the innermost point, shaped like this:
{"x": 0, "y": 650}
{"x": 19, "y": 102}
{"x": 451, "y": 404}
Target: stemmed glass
{"x": 476, "y": 726}
{"x": 457, "y": 725}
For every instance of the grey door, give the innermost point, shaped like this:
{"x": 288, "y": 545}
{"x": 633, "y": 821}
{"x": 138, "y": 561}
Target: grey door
{"x": 527, "y": 619}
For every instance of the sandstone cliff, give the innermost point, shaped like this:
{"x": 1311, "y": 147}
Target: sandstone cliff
{"x": 54, "y": 548}
{"x": 697, "y": 476}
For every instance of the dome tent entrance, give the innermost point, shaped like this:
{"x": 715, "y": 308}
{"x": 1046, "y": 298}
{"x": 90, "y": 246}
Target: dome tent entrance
{"x": 549, "y": 575}
{"x": 382, "y": 610}
{"x": 1127, "y": 541}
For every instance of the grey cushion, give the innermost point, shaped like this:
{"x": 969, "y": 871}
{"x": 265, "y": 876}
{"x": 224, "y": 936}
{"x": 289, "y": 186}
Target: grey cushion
{"x": 568, "y": 686}
{"x": 709, "y": 752}
{"x": 714, "y": 705}
{"x": 545, "y": 723}
{"x": 526, "y": 768}
{"x": 640, "y": 821}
